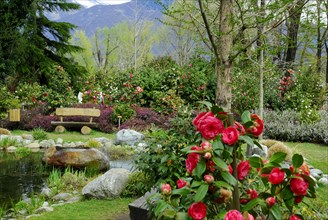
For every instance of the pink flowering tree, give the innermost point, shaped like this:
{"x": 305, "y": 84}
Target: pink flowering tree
{"x": 220, "y": 183}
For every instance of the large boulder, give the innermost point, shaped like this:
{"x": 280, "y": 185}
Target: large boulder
{"x": 76, "y": 158}
{"x": 128, "y": 137}
{"x": 109, "y": 185}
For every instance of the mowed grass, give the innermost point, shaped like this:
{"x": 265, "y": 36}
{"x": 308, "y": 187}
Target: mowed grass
{"x": 89, "y": 209}
{"x": 70, "y": 136}
{"x": 314, "y": 154}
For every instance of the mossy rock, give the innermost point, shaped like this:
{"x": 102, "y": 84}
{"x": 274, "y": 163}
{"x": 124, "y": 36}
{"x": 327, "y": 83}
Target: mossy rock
{"x": 60, "y": 129}
{"x": 5, "y": 131}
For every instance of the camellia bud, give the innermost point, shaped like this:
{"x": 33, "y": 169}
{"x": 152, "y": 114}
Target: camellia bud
{"x": 208, "y": 178}
{"x": 270, "y": 201}
{"x": 205, "y": 145}
{"x": 166, "y": 189}
{"x": 207, "y": 155}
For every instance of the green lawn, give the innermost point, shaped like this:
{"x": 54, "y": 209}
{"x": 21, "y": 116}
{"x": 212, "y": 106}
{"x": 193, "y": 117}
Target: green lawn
{"x": 89, "y": 209}
{"x": 315, "y": 154}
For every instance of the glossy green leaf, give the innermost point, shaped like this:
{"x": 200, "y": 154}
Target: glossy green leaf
{"x": 229, "y": 178}
{"x": 182, "y": 216}
{"x": 220, "y": 163}
{"x": 217, "y": 145}
{"x": 222, "y": 184}
{"x": 216, "y": 109}
{"x": 247, "y": 140}
{"x": 251, "y": 204}
{"x": 160, "y": 207}
{"x": 206, "y": 103}
{"x": 246, "y": 116}
{"x": 200, "y": 168}
{"x": 181, "y": 191}
{"x": 201, "y": 192}
{"x": 275, "y": 212}
{"x": 286, "y": 193}
{"x": 196, "y": 184}
{"x": 278, "y": 157}
{"x": 297, "y": 160}
{"x": 256, "y": 162}
{"x": 169, "y": 213}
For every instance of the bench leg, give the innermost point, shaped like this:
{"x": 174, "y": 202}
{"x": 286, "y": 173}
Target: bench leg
{"x": 60, "y": 129}
{"x": 85, "y": 130}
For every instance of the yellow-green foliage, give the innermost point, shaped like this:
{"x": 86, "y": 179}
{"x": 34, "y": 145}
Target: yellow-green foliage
{"x": 4, "y": 131}
{"x": 280, "y": 147}
{"x": 92, "y": 143}
{"x": 120, "y": 152}
{"x": 268, "y": 142}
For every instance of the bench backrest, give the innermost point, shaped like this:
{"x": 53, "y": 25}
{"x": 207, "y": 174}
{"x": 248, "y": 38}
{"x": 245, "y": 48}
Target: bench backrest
{"x": 91, "y": 112}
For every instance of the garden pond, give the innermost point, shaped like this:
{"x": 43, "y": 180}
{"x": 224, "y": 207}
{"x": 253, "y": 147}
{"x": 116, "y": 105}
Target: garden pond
{"x": 20, "y": 176}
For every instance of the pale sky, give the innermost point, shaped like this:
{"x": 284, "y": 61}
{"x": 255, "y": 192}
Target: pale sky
{"x": 90, "y": 3}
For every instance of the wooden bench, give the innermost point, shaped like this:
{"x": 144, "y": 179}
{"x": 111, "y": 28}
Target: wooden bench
{"x": 85, "y": 125}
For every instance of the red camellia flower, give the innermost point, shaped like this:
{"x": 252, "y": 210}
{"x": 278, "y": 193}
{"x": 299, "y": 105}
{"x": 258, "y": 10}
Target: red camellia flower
{"x": 239, "y": 127}
{"x": 192, "y": 161}
{"x": 299, "y": 186}
{"x": 276, "y": 176}
{"x": 166, "y": 189}
{"x": 298, "y": 199}
{"x": 270, "y": 201}
{"x": 294, "y": 217}
{"x": 196, "y": 148}
{"x": 208, "y": 125}
{"x": 208, "y": 178}
{"x": 181, "y": 183}
{"x": 200, "y": 117}
{"x": 210, "y": 166}
{"x": 250, "y": 217}
{"x": 230, "y": 135}
{"x": 258, "y": 126}
{"x": 197, "y": 211}
{"x": 233, "y": 215}
{"x": 230, "y": 169}
{"x": 252, "y": 193}
{"x": 243, "y": 168}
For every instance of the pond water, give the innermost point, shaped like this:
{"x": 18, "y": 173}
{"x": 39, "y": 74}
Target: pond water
{"x": 19, "y": 177}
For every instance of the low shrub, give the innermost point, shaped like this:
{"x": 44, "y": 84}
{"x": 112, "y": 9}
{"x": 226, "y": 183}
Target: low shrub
{"x": 123, "y": 112}
{"x": 120, "y": 152}
{"x": 39, "y": 134}
{"x": 138, "y": 184}
{"x": 104, "y": 120}
{"x": 145, "y": 118}
{"x": 285, "y": 126}
{"x": 92, "y": 143}
{"x": 280, "y": 147}
{"x": 7, "y": 142}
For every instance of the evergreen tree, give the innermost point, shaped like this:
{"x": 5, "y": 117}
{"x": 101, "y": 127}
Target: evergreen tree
{"x": 37, "y": 42}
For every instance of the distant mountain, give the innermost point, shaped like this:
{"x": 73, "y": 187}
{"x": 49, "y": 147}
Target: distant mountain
{"x": 99, "y": 15}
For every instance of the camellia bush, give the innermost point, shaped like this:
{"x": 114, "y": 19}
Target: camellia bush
{"x": 220, "y": 183}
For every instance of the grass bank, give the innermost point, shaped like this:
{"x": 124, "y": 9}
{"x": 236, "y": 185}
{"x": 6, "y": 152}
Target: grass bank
{"x": 89, "y": 209}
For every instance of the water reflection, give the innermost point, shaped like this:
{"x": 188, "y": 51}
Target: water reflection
{"x": 19, "y": 177}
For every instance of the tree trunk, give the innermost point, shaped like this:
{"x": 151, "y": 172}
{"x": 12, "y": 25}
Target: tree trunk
{"x": 319, "y": 39}
{"x": 224, "y": 66}
{"x": 292, "y": 32}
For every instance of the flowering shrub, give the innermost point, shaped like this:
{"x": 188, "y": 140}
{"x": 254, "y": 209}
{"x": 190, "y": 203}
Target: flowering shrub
{"x": 221, "y": 183}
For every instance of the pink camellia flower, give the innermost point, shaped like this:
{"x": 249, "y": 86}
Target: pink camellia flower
{"x": 192, "y": 161}
{"x": 197, "y": 211}
{"x": 230, "y": 135}
{"x": 208, "y": 178}
{"x": 250, "y": 217}
{"x": 166, "y": 189}
{"x": 294, "y": 217}
{"x": 270, "y": 201}
{"x": 181, "y": 183}
{"x": 276, "y": 176}
{"x": 234, "y": 215}
{"x": 298, "y": 199}
{"x": 205, "y": 145}
{"x": 252, "y": 193}
{"x": 299, "y": 186}
{"x": 243, "y": 168}
{"x": 208, "y": 125}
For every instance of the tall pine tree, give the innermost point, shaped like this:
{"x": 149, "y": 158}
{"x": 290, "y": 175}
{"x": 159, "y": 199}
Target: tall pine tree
{"x": 36, "y": 43}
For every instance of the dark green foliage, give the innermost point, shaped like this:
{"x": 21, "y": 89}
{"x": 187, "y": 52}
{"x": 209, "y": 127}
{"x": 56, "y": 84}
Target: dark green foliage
{"x": 138, "y": 184}
{"x": 122, "y": 112}
{"x": 32, "y": 42}
{"x": 285, "y": 126}
{"x": 7, "y": 101}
